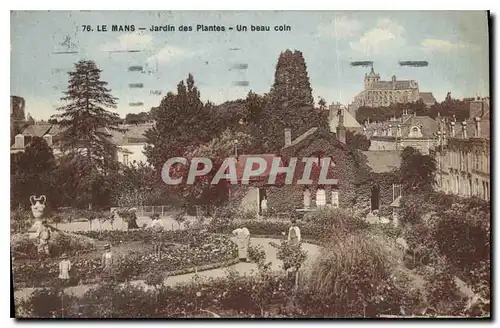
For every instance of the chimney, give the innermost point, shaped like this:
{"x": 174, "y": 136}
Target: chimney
{"x": 464, "y": 129}
{"x": 288, "y": 137}
{"x": 452, "y": 133}
{"x": 48, "y": 139}
{"x": 478, "y": 127}
{"x": 19, "y": 141}
{"x": 341, "y": 132}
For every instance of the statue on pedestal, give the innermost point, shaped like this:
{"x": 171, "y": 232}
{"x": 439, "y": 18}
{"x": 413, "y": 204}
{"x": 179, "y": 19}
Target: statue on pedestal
{"x": 40, "y": 230}
{"x": 37, "y": 208}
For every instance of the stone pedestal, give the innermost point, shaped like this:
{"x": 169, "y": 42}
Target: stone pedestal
{"x": 33, "y": 231}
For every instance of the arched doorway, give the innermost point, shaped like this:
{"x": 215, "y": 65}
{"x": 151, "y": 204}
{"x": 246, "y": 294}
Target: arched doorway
{"x": 375, "y": 198}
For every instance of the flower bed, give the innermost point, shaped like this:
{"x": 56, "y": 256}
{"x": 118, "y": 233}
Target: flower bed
{"x": 203, "y": 251}
{"x": 23, "y": 247}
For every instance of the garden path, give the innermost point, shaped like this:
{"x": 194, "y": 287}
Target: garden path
{"x": 242, "y": 268}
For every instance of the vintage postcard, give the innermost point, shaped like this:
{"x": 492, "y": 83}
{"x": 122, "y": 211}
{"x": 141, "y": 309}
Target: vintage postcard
{"x": 250, "y": 164}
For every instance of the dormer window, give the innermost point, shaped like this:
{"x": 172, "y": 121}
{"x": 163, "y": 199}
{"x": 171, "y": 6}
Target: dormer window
{"x": 415, "y": 132}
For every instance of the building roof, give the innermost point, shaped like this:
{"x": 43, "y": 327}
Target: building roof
{"x": 381, "y": 161}
{"x": 242, "y": 161}
{"x": 37, "y": 130}
{"x": 428, "y": 126}
{"x": 427, "y": 98}
{"x": 134, "y": 134}
{"x": 349, "y": 121}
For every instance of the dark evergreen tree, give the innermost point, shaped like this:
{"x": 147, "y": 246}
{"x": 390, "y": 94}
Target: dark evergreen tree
{"x": 87, "y": 122}
{"x": 290, "y": 103}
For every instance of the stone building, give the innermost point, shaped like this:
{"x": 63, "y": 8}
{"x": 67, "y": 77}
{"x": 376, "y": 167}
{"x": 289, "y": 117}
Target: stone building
{"x": 463, "y": 156}
{"x": 377, "y": 93}
{"x": 409, "y": 130}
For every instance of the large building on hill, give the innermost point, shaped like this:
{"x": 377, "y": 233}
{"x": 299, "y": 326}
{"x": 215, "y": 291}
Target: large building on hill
{"x": 378, "y": 93}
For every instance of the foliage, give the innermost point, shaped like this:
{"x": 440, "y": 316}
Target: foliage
{"x": 187, "y": 251}
{"x": 385, "y": 113}
{"x": 289, "y": 104}
{"x": 349, "y": 273}
{"x": 257, "y": 254}
{"x": 417, "y": 171}
{"x": 23, "y": 247}
{"x": 31, "y": 173}
{"x": 442, "y": 293}
{"x": 357, "y": 141}
{"x": 181, "y": 121}
{"x": 139, "y": 118}
{"x": 47, "y": 303}
{"x": 202, "y": 190}
{"x": 292, "y": 256}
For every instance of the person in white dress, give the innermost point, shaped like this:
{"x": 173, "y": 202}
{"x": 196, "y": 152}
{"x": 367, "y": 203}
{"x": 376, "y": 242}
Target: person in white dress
{"x": 263, "y": 206}
{"x": 64, "y": 268}
{"x": 294, "y": 234}
{"x": 243, "y": 241}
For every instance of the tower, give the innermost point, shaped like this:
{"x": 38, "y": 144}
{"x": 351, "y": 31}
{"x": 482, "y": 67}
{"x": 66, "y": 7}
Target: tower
{"x": 371, "y": 78}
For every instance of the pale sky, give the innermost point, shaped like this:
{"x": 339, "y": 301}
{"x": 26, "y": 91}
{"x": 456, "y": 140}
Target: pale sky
{"x": 454, "y": 43}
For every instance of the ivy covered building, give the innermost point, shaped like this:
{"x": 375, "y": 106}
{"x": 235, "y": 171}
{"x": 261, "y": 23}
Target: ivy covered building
{"x": 349, "y": 168}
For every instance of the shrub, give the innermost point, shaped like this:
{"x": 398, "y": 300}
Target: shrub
{"x": 346, "y": 276}
{"x": 442, "y": 293}
{"x": 46, "y": 303}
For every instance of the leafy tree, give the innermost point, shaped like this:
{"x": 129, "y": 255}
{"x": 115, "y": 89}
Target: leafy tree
{"x": 202, "y": 192}
{"x": 322, "y": 103}
{"x": 451, "y": 108}
{"x": 87, "y": 122}
{"x": 417, "y": 171}
{"x": 357, "y": 141}
{"x": 182, "y": 122}
{"x": 139, "y": 118}
{"x": 32, "y": 173}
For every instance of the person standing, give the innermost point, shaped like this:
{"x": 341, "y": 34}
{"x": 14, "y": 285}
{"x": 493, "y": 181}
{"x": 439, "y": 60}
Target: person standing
{"x": 132, "y": 221}
{"x": 64, "y": 268}
{"x": 263, "y": 206}
{"x": 107, "y": 261}
{"x": 243, "y": 241}
{"x": 294, "y": 234}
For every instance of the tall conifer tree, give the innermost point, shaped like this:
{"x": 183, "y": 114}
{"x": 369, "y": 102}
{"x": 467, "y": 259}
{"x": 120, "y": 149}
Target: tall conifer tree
{"x": 87, "y": 122}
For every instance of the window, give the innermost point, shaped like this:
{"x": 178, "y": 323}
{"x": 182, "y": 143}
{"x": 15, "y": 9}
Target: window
{"x": 335, "y": 199}
{"x": 125, "y": 159}
{"x": 320, "y": 197}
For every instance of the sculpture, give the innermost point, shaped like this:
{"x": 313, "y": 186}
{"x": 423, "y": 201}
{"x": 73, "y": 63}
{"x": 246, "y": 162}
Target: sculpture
{"x": 37, "y": 208}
